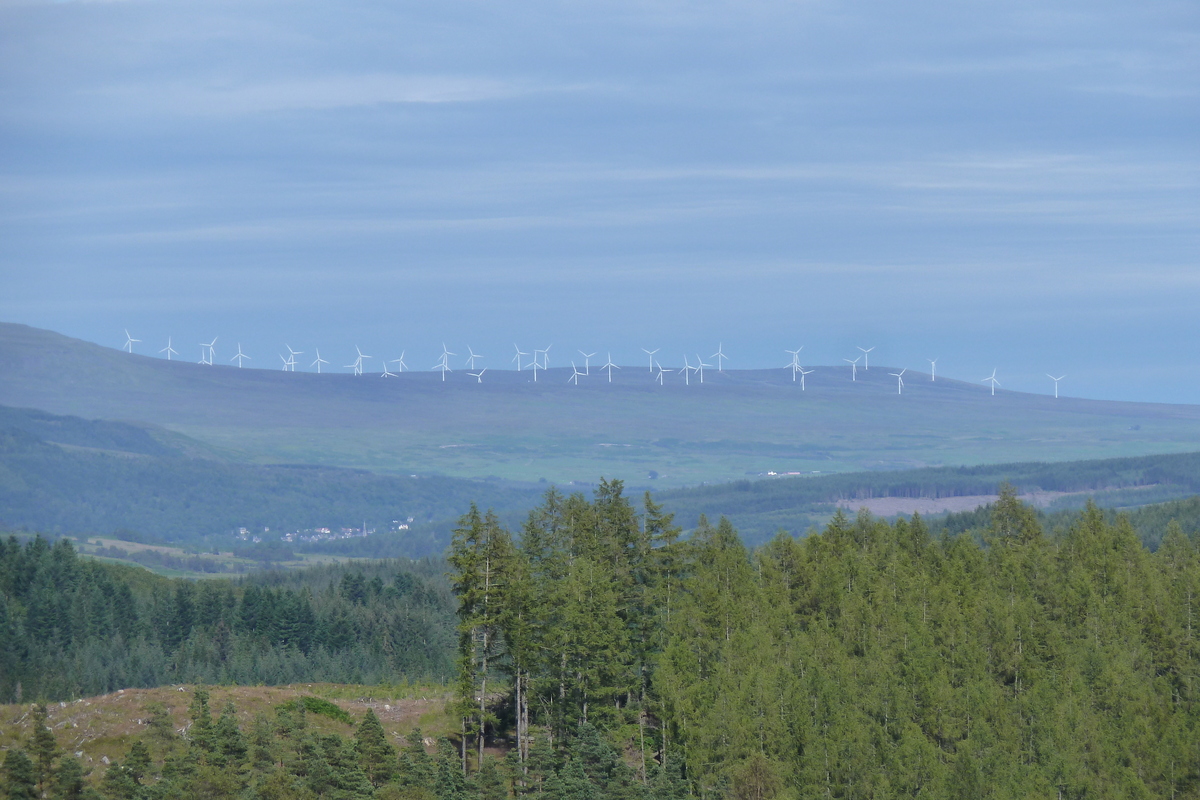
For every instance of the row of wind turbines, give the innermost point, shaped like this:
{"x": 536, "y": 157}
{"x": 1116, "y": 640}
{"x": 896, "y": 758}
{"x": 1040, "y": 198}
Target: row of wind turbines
{"x": 540, "y": 360}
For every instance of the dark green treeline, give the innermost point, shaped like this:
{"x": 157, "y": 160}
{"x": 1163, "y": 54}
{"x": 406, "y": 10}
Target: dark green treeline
{"x": 868, "y": 661}
{"x": 72, "y": 627}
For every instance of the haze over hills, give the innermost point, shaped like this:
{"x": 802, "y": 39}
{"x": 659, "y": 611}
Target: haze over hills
{"x": 736, "y": 423}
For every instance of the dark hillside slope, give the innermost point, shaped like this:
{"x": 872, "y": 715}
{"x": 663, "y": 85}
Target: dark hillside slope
{"x": 95, "y": 486}
{"x": 736, "y": 423}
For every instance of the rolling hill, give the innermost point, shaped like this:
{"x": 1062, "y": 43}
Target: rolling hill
{"x": 736, "y": 423}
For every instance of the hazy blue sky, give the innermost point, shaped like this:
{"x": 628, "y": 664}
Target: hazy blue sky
{"x": 1000, "y": 184}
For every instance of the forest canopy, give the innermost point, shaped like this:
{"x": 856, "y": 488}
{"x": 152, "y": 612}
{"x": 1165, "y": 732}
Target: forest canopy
{"x": 870, "y": 660}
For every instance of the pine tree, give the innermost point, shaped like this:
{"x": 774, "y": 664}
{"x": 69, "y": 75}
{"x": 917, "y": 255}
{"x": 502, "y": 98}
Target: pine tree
{"x": 201, "y": 730}
{"x": 69, "y": 779}
{"x": 43, "y": 747}
{"x": 375, "y": 753}
{"x": 20, "y": 776}
{"x": 137, "y": 763}
{"x": 479, "y": 551}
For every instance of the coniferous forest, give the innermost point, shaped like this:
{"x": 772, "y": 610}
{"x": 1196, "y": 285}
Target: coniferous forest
{"x": 869, "y": 661}
{"x": 72, "y": 627}
{"x": 600, "y": 654}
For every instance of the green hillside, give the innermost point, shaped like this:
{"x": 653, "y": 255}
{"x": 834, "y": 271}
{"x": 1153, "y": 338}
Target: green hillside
{"x": 63, "y": 474}
{"x": 760, "y": 508}
{"x": 737, "y": 423}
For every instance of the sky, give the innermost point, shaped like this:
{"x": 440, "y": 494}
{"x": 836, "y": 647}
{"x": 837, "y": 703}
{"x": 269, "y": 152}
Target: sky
{"x": 1000, "y": 185}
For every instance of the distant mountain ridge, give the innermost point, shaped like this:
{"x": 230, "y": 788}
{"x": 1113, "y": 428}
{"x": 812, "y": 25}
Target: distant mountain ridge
{"x": 737, "y": 423}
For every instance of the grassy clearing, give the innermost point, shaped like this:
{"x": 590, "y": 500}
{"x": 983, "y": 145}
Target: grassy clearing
{"x": 96, "y": 728}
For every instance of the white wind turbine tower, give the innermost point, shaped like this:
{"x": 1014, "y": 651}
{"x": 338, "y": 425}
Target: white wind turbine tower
{"x": 853, "y": 368}
{"x": 1056, "y": 380}
{"x": 587, "y": 357}
{"x": 575, "y": 374}
{"x": 211, "y": 352}
{"x": 292, "y": 355}
{"x": 803, "y": 372}
{"x": 610, "y": 366}
{"x": 478, "y": 376}
{"x": 517, "y": 357}
{"x": 240, "y": 355}
{"x": 535, "y": 365}
{"x": 444, "y": 364}
{"x": 720, "y": 357}
{"x": 399, "y": 362}
{"x": 661, "y": 372}
{"x": 319, "y": 361}
{"x": 546, "y": 356}
{"x": 866, "y": 357}
{"x": 991, "y": 378}
{"x": 795, "y": 365}
{"x": 899, "y": 376}
{"x": 129, "y": 340}
{"x": 471, "y": 359}
{"x": 700, "y": 368}
{"x": 651, "y": 353}
{"x": 286, "y": 362}
{"x": 168, "y": 349}
{"x": 687, "y": 372}
{"x": 932, "y": 368}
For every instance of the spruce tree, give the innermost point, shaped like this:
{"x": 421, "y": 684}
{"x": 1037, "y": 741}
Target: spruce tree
{"x": 20, "y": 777}
{"x": 69, "y": 779}
{"x": 375, "y": 753}
{"x": 43, "y": 747}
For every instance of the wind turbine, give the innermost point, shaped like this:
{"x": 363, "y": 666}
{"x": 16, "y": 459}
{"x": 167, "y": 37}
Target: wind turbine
{"x": 478, "y": 376}
{"x": 1056, "y": 380}
{"x": 444, "y": 365}
{"x": 995, "y": 382}
{"x": 361, "y": 356}
{"x": 899, "y": 376}
{"x": 574, "y": 374}
{"x": 587, "y": 368}
{"x": 661, "y": 372}
{"x": 803, "y": 372}
{"x": 293, "y": 354}
{"x": 386, "y": 373}
{"x": 720, "y": 357}
{"x": 319, "y": 361}
{"x": 700, "y": 368}
{"x": 356, "y": 366}
{"x": 517, "y": 357}
{"x": 129, "y": 340}
{"x": 932, "y": 368}
{"x": 610, "y": 366}
{"x": 687, "y": 372}
{"x": 651, "y": 354}
{"x": 546, "y": 357}
{"x": 240, "y": 355}
{"x": 203, "y": 355}
{"x": 168, "y": 349}
{"x": 795, "y": 365}
{"x": 400, "y": 361}
{"x": 866, "y": 357}
{"x": 853, "y": 368}
{"x": 535, "y": 365}
{"x": 209, "y": 345}
{"x": 471, "y": 359}
{"x": 286, "y": 362}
